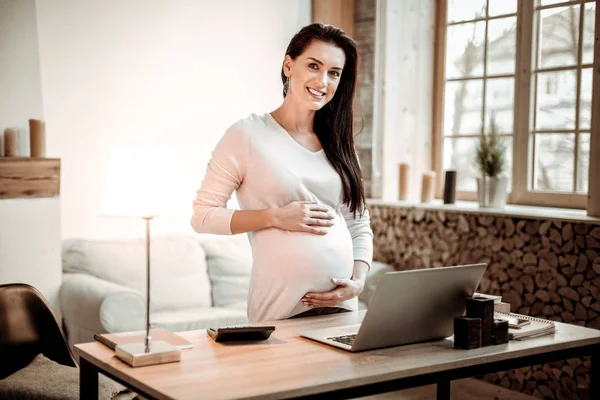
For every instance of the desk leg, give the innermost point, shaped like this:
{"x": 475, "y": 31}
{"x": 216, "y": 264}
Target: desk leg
{"x": 443, "y": 390}
{"x": 595, "y": 376}
{"x": 88, "y": 380}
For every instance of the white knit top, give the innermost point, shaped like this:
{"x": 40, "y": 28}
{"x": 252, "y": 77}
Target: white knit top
{"x": 259, "y": 159}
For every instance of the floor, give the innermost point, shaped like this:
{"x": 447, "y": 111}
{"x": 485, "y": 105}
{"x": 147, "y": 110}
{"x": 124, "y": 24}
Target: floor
{"x": 463, "y": 389}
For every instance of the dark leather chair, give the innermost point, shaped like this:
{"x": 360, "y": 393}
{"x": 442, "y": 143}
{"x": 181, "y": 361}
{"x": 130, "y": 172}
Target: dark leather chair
{"x": 28, "y": 327}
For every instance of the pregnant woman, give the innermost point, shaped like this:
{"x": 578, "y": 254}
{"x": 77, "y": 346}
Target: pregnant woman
{"x": 299, "y": 186}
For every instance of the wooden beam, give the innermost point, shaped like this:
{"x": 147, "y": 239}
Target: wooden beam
{"x": 378, "y": 100}
{"x": 335, "y": 12}
{"x": 22, "y": 177}
{"x": 521, "y": 138}
{"x": 593, "y": 204}
{"x": 437, "y": 143}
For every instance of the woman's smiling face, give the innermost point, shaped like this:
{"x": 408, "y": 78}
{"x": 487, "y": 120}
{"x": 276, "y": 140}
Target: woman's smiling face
{"x": 315, "y": 74}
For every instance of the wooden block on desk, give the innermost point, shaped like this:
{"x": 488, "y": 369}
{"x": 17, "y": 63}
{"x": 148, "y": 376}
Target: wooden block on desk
{"x": 481, "y": 307}
{"x": 500, "y": 331}
{"x": 467, "y": 333}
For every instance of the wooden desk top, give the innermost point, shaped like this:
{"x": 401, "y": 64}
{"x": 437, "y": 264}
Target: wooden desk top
{"x": 289, "y": 365}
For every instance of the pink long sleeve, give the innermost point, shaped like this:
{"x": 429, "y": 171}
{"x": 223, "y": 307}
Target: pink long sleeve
{"x": 224, "y": 174}
{"x": 361, "y": 233}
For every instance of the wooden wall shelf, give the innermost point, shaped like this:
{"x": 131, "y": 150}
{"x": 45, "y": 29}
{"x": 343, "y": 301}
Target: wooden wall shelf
{"x": 24, "y": 177}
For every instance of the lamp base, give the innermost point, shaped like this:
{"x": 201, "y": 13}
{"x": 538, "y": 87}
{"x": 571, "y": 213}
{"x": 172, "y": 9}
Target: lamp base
{"x": 160, "y": 352}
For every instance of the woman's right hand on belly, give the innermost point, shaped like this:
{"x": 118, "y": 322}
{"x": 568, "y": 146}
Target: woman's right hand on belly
{"x": 303, "y": 216}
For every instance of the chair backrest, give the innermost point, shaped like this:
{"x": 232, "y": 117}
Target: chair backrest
{"x": 28, "y": 327}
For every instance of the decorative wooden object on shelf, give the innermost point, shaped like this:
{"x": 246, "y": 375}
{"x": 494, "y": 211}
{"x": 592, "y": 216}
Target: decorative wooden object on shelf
{"x": 24, "y": 177}
{"x": 427, "y": 186}
{"x": 37, "y": 138}
{"x": 403, "y": 181}
{"x": 11, "y": 142}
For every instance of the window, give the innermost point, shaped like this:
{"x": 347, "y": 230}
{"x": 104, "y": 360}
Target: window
{"x": 479, "y": 81}
{"x": 526, "y": 67}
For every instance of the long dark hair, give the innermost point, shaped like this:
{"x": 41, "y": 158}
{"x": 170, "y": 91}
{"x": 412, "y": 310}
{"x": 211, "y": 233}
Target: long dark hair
{"x": 333, "y": 123}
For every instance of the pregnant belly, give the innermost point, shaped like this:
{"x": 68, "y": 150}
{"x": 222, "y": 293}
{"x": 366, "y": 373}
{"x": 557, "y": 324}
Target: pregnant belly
{"x": 303, "y": 260}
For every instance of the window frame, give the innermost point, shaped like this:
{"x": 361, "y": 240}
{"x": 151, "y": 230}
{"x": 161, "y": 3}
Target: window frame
{"x": 522, "y": 136}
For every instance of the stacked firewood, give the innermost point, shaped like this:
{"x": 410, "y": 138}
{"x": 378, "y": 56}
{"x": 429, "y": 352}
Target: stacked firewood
{"x": 543, "y": 268}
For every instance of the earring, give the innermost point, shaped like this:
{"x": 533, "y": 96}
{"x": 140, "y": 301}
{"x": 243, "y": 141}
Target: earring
{"x": 286, "y": 85}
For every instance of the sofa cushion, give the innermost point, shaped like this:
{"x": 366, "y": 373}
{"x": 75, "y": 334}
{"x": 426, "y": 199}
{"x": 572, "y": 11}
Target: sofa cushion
{"x": 123, "y": 312}
{"x": 47, "y": 379}
{"x": 99, "y": 305}
{"x": 229, "y": 261}
{"x": 179, "y": 277}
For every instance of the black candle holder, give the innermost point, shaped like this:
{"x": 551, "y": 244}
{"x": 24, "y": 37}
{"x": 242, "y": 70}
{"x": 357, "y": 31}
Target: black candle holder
{"x": 467, "y": 333}
{"x": 500, "y": 331}
{"x": 481, "y": 307}
{"x": 450, "y": 187}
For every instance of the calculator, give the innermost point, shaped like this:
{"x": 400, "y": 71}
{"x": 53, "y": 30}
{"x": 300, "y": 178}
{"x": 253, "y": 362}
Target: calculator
{"x": 242, "y": 333}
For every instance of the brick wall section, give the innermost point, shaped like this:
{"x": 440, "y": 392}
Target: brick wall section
{"x": 364, "y": 35}
{"x": 544, "y": 268}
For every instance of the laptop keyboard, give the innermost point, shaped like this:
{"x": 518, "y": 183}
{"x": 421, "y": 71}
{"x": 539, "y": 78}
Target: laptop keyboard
{"x": 346, "y": 339}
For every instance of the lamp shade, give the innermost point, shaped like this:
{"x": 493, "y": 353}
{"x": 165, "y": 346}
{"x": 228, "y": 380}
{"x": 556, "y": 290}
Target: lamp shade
{"x": 144, "y": 182}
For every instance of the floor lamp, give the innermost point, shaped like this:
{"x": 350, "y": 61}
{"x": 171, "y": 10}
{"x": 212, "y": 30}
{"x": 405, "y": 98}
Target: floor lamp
{"x": 143, "y": 183}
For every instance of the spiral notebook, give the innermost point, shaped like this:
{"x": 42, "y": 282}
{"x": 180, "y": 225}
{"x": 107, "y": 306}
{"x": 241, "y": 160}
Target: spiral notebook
{"x": 518, "y": 330}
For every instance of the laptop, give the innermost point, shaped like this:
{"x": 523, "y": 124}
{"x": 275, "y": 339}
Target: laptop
{"x": 408, "y": 307}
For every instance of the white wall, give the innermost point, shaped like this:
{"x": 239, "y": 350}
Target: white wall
{"x": 20, "y": 85}
{"x": 29, "y": 228}
{"x": 30, "y": 245}
{"x": 408, "y": 90}
{"x": 155, "y": 72}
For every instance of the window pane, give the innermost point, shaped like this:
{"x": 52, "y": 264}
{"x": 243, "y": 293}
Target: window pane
{"x": 502, "y": 7}
{"x": 464, "y": 10}
{"x": 463, "y": 107}
{"x": 464, "y": 50}
{"x": 555, "y": 107}
{"x": 583, "y": 162}
{"x": 589, "y": 16}
{"x": 459, "y": 154}
{"x": 559, "y": 36}
{"x": 549, "y": 2}
{"x": 499, "y": 102}
{"x": 585, "y": 110}
{"x": 502, "y": 41}
{"x": 554, "y": 162}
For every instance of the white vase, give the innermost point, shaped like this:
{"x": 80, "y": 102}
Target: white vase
{"x": 491, "y": 191}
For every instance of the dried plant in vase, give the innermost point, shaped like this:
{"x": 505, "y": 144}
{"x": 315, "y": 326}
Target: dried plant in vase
{"x": 491, "y": 186}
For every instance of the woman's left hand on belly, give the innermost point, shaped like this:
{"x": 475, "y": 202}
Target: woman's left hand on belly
{"x": 346, "y": 289}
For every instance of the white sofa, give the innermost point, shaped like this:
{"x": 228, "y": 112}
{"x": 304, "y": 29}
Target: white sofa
{"x": 197, "y": 281}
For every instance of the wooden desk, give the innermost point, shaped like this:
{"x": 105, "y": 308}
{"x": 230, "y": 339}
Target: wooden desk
{"x": 288, "y": 366}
